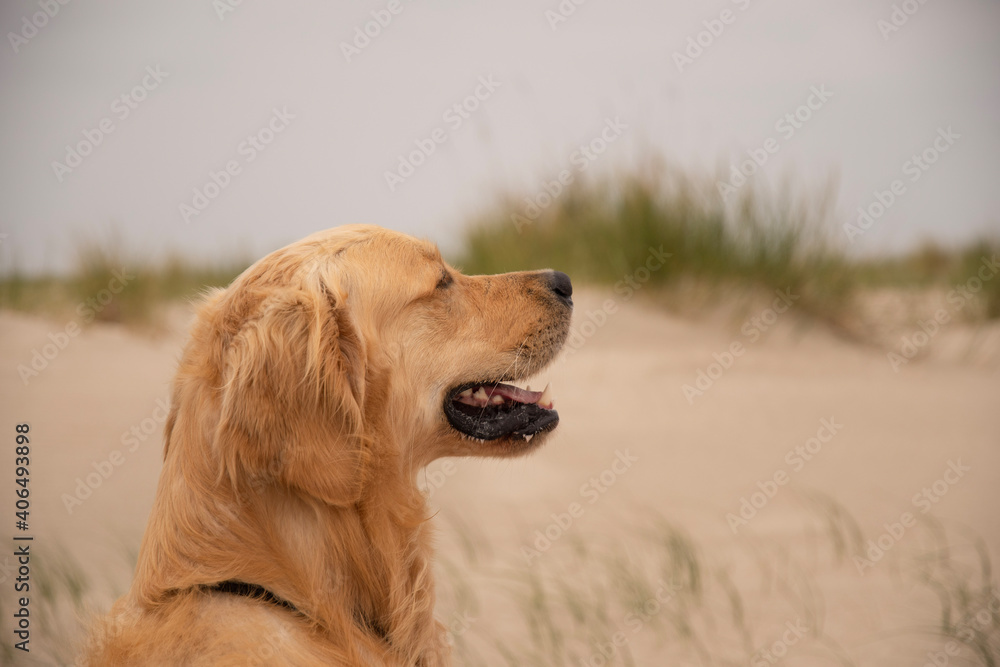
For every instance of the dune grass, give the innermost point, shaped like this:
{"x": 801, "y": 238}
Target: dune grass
{"x": 610, "y": 230}
{"x": 643, "y": 591}
{"x": 602, "y": 231}
{"x": 649, "y": 591}
{"x": 110, "y": 284}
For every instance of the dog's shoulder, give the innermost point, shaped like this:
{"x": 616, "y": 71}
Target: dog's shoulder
{"x": 210, "y": 628}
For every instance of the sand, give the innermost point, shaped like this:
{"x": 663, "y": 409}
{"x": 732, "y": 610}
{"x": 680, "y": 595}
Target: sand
{"x": 880, "y": 436}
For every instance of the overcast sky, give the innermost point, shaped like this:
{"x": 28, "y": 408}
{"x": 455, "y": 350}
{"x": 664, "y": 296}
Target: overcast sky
{"x": 337, "y": 122}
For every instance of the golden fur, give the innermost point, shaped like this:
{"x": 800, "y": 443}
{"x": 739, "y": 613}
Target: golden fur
{"x": 306, "y": 401}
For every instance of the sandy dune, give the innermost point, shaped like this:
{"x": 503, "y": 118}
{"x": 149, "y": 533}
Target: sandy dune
{"x": 888, "y": 435}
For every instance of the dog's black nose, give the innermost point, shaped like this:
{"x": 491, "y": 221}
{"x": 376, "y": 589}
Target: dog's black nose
{"x": 561, "y": 286}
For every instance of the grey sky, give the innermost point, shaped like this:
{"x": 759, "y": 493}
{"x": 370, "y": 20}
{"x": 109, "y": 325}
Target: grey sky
{"x": 557, "y": 87}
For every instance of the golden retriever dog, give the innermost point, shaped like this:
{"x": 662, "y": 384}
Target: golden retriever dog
{"x": 288, "y": 526}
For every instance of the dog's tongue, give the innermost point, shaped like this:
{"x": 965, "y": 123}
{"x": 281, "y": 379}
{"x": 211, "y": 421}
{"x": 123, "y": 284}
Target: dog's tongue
{"x": 513, "y": 393}
{"x": 484, "y": 395}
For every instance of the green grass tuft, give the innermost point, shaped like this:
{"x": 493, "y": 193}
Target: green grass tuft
{"x": 604, "y": 230}
{"x": 601, "y": 232}
{"x": 110, "y": 284}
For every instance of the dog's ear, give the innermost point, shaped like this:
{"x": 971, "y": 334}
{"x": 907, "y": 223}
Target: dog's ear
{"x": 292, "y": 395}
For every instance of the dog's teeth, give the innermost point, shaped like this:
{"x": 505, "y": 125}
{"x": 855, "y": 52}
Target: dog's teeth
{"x": 496, "y": 399}
{"x": 480, "y": 395}
{"x": 527, "y": 388}
{"x": 528, "y": 438}
{"x": 545, "y": 400}
{"x": 466, "y": 393}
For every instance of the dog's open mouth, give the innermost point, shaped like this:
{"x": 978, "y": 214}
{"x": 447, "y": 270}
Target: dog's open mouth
{"x": 493, "y": 410}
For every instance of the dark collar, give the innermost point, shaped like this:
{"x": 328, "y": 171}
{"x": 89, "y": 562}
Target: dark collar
{"x": 254, "y": 591}
{"x": 258, "y": 592}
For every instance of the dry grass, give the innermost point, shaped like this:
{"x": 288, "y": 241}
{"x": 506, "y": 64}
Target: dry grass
{"x": 645, "y": 591}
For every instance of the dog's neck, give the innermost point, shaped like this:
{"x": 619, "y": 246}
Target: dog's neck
{"x": 363, "y": 568}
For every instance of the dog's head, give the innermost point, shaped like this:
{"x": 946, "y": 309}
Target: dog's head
{"x": 359, "y": 343}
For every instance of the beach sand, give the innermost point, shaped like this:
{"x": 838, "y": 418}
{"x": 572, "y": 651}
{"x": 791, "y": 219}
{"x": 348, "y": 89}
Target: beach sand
{"x": 880, "y": 436}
